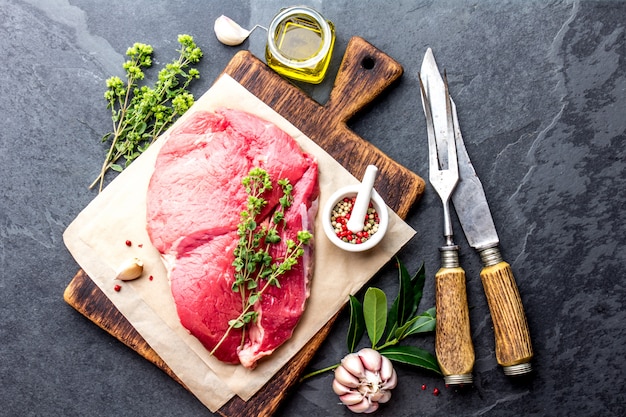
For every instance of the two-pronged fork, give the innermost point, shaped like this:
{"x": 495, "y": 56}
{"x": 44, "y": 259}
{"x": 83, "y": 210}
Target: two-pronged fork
{"x": 453, "y": 342}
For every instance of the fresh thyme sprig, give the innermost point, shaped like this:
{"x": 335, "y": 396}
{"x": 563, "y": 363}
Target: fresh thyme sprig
{"x": 141, "y": 113}
{"x": 255, "y": 268}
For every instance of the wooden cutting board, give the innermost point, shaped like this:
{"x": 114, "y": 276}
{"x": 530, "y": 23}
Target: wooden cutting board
{"x": 364, "y": 73}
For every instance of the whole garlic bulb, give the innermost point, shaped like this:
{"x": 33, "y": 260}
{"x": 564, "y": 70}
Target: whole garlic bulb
{"x": 364, "y": 380}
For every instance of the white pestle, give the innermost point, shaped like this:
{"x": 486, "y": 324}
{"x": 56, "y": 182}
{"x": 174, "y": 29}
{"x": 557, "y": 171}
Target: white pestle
{"x": 359, "y": 210}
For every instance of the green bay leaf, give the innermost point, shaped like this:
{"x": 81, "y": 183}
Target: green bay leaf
{"x": 417, "y": 282}
{"x": 407, "y": 304}
{"x": 422, "y": 323}
{"x": 357, "y": 324}
{"x": 375, "y": 313}
{"x": 412, "y": 355}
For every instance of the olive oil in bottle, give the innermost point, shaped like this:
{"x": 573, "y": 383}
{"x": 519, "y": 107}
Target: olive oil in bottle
{"x": 299, "y": 44}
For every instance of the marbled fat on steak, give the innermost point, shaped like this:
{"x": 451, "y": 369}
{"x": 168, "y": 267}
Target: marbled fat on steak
{"x": 194, "y": 202}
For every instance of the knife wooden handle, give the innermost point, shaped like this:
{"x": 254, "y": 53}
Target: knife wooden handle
{"x": 513, "y": 348}
{"x": 453, "y": 340}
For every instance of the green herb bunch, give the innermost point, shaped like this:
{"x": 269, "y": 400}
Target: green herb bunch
{"x": 387, "y": 327}
{"x": 141, "y": 113}
{"x": 256, "y": 269}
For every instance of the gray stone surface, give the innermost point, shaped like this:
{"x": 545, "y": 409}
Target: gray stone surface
{"x": 541, "y": 93}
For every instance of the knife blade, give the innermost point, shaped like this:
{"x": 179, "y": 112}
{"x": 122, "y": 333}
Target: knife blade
{"x": 512, "y": 336}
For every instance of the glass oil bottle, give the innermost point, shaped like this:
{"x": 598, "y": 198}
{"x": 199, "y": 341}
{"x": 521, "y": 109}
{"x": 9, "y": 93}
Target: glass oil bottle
{"x": 300, "y": 44}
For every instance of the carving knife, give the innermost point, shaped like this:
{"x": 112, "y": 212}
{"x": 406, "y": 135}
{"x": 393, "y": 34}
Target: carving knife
{"x": 512, "y": 336}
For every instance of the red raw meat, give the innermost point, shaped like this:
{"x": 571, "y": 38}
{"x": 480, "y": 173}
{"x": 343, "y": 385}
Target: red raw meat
{"x": 196, "y": 185}
{"x": 194, "y": 202}
{"x": 201, "y": 281}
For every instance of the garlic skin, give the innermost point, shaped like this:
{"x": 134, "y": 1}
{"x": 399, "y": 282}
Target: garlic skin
{"x": 130, "y": 269}
{"x": 229, "y": 32}
{"x": 371, "y": 359}
{"x": 364, "y": 380}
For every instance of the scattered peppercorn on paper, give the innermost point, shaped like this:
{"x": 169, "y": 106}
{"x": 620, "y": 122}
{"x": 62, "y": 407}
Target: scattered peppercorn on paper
{"x": 98, "y": 237}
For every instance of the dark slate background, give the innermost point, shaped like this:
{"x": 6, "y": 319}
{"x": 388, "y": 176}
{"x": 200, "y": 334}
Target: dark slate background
{"x": 541, "y": 93}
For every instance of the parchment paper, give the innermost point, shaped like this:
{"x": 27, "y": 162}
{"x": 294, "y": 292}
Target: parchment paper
{"x": 96, "y": 239}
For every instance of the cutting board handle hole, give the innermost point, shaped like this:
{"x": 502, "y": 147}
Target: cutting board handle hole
{"x": 368, "y": 62}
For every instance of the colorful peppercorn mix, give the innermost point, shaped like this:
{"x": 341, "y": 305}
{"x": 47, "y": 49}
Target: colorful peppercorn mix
{"x": 340, "y": 216}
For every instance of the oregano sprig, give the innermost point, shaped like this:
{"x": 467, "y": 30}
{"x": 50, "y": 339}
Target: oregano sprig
{"x": 141, "y": 113}
{"x": 256, "y": 270}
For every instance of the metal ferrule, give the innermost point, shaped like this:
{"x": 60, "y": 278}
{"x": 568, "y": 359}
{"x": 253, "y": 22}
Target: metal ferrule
{"x": 449, "y": 256}
{"x": 490, "y": 256}
{"x": 461, "y": 379}
{"x": 516, "y": 370}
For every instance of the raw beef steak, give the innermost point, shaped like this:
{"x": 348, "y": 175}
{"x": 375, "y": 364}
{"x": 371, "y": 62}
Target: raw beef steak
{"x": 194, "y": 202}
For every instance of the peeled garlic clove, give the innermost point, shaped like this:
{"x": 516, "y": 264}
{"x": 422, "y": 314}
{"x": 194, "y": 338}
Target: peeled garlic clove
{"x": 229, "y": 32}
{"x": 371, "y": 359}
{"x": 129, "y": 270}
{"x": 352, "y": 363}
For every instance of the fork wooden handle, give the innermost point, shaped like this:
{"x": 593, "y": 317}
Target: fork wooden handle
{"x": 512, "y": 337}
{"x": 453, "y": 340}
